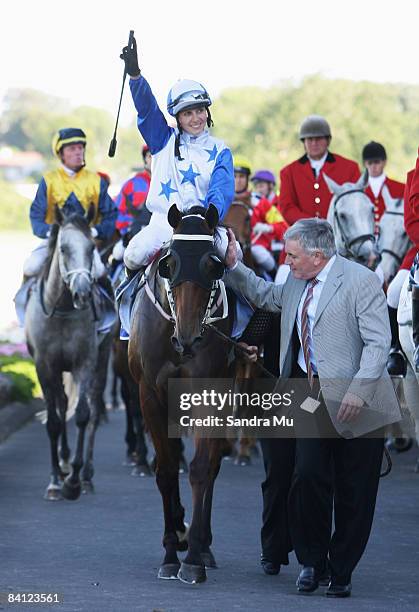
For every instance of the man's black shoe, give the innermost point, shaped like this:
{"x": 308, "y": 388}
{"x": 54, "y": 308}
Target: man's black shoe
{"x": 396, "y": 364}
{"x": 269, "y": 567}
{"x": 308, "y": 580}
{"x": 339, "y": 590}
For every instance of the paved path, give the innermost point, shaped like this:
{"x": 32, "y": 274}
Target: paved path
{"x": 102, "y": 552}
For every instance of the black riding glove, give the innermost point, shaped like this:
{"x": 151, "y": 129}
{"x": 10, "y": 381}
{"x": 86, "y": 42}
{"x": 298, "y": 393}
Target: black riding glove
{"x": 129, "y": 55}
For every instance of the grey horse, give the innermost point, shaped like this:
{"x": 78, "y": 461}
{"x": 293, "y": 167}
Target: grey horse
{"x": 351, "y": 214}
{"x": 393, "y": 241}
{"x": 61, "y": 333}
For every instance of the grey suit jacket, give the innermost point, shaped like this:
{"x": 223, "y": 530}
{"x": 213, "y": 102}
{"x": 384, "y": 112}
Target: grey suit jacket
{"x": 351, "y": 337}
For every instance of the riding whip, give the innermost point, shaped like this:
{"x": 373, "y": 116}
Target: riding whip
{"x": 112, "y": 146}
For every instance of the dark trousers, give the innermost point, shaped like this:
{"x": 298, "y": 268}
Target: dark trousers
{"x": 278, "y": 459}
{"x": 337, "y": 473}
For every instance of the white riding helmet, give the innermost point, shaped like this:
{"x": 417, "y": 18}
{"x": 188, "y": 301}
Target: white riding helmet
{"x": 185, "y": 94}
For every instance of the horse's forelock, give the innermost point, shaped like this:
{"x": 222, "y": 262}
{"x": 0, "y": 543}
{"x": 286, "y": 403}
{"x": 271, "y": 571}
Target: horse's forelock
{"x": 78, "y": 222}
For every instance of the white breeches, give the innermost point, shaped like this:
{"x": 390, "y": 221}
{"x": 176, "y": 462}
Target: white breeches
{"x": 395, "y": 287}
{"x": 263, "y": 257}
{"x": 35, "y": 262}
{"x": 143, "y": 246}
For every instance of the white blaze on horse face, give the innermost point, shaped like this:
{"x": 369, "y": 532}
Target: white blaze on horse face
{"x": 76, "y": 263}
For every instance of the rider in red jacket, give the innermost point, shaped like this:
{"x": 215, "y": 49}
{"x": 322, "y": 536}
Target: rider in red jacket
{"x": 412, "y": 228}
{"x": 267, "y": 225}
{"x": 303, "y": 190}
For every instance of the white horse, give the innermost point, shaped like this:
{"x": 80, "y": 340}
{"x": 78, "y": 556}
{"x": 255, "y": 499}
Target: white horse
{"x": 393, "y": 241}
{"x": 351, "y": 215}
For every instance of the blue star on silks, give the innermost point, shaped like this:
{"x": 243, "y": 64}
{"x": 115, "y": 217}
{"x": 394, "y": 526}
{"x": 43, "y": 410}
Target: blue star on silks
{"x": 212, "y": 153}
{"x": 189, "y": 175}
{"x": 166, "y": 189}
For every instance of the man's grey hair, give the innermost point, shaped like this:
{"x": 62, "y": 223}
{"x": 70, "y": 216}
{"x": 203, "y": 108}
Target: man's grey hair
{"x": 313, "y": 235}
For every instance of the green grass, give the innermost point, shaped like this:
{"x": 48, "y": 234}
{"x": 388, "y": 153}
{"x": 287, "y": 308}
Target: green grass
{"x": 14, "y": 209}
{"x": 23, "y": 375}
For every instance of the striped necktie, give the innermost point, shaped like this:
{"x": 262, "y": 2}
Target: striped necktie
{"x": 305, "y": 330}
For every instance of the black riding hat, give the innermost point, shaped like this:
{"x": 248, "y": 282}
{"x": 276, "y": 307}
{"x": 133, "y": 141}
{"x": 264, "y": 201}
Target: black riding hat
{"x": 374, "y": 150}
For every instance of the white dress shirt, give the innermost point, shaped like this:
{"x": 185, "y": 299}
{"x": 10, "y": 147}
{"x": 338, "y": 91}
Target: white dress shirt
{"x": 376, "y": 183}
{"x": 317, "y": 164}
{"x": 311, "y": 313}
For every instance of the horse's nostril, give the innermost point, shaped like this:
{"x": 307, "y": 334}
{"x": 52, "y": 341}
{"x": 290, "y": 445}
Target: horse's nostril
{"x": 176, "y": 344}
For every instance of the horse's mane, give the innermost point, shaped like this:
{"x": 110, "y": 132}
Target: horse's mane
{"x": 74, "y": 219}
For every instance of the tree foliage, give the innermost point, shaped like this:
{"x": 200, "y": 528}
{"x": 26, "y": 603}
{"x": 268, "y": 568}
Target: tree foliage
{"x": 261, "y": 124}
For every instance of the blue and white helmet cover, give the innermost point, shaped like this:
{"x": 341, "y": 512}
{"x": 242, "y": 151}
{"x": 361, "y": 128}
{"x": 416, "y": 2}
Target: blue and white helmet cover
{"x": 184, "y": 94}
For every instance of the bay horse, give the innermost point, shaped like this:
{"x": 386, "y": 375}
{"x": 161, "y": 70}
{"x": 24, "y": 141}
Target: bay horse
{"x": 169, "y": 339}
{"x": 61, "y": 333}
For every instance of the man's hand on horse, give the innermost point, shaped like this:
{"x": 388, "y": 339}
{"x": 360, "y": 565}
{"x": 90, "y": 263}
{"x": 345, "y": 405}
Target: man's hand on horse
{"x": 250, "y": 353}
{"x": 231, "y": 256}
{"x": 130, "y": 57}
{"x": 350, "y": 408}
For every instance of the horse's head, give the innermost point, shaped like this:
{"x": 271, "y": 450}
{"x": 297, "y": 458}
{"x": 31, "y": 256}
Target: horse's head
{"x": 238, "y": 218}
{"x": 351, "y": 214}
{"x": 191, "y": 268}
{"x": 393, "y": 241}
{"x": 74, "y": 250}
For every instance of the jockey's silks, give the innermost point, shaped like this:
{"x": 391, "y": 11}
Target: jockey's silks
{"x": 274, "y": 216}
{"x": 73, "y": 192}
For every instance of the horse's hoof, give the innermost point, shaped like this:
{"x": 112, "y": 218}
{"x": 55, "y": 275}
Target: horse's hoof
{"x": 53, "y": 493}
{"x": 242, "y": 460}
{"x": 192, "y": 574}
{"x": 183, "y": 466}
{"x": 71, "y": 491}
{"x": 208, "y": 560}
{"x": 87, "y": 487}
{"x": 141, "y": 470}
{"x": 131, "y": 459}
{"x": 169, "y": 571}
{"x": 65, "y": 467}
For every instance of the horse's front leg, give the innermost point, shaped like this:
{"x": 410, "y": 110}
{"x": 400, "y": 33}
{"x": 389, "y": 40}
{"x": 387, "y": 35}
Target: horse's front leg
{"x": 97, "y": 409}
{"x": 71, "y": 488}
{"x": 216, "y": 447}
{"x": 167, "y": 476}
{"x": 64, "y": 447}
{"x": 54, "y": 428}
{"x": 192, "y": 569}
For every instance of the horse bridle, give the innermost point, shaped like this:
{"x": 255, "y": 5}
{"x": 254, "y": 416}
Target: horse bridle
{"x": 350, "y": 243}
{"x": 69, "y": 278}
{"x": 397, "y": 257}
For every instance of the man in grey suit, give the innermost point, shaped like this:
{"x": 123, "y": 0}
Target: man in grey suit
{"x": 337, "y": 311}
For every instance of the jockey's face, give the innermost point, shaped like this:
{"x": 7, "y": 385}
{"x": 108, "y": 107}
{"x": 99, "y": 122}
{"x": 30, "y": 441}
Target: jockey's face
{"x": 304, "y": 265}
{"x": 241, "y": 182}
{"x": 193, "y": 120}
{"x": 375, "y": 167}
{"x": 316, "y": 147}
{"x": 72, "y": 156}
{"x": 264, "y": 188}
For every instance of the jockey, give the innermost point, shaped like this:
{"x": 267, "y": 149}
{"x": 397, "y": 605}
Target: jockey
{"x": 303, "y": 192}
{"x": 267, "y": 225}
{"x": 131, "y": 204}
{"x": 189, "y": 165}
{"x": 374, "y": 157}
{"x": 73, "y": 188}
{"x": 263, "y": 185}
{"x": 241, "y": 181}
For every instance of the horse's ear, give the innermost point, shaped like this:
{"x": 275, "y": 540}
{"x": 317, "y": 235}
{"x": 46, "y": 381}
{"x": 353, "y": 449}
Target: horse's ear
{"x": 212, "y": 216}
{"x": 362, "y": 182}
{"x": 333, "y": 186}
{"x": 91, "y": 213}
{"x": 174, "y": 216}
{"x": 58, "y": 213}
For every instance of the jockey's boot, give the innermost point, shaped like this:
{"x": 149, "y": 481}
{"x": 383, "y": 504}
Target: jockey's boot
{"x": 396, "y": 362}
{"x": 415, "y": 324}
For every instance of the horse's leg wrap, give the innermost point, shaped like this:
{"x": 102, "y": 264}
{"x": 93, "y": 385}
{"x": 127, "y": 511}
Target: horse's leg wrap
{"x": 257, "y": 328}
